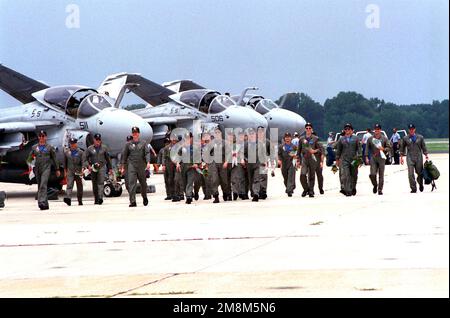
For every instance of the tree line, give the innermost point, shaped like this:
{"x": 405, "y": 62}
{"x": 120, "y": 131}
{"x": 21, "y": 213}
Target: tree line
{"x": 431, "y": 120}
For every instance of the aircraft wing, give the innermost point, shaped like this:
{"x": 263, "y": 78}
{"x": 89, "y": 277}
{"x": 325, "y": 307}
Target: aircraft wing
{"x": 179, "y": 86}
{"x": 151, "y": 92}
{"x": 12, "y": 127}
{"x": 18, "y": 85}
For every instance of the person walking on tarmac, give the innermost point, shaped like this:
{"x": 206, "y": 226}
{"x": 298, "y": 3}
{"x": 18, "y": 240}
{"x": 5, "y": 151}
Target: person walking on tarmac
{"x": 415, "y": 146}
{"x": 124, "y": 172}
{"x": 308, "y": 146}
{"x": 320, "y": 157}
{"x": 97, "y": 160}
{"x": 377, "y": 145}
{"x": 287, "y": 152}
{"x": 169, "y": 174}
{"x": 44, "y": 156}
{"x": 189, "y": 168}
{"x": 348, "y": 158}
{"x": 73, "y": 170}
{"x": 136, "y": 156}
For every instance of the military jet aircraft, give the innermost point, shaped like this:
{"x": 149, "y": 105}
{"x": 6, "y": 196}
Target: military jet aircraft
{"x": 168, "y": 109}
{"x": 282, "y": 119}
{"x": 64, "y": 112}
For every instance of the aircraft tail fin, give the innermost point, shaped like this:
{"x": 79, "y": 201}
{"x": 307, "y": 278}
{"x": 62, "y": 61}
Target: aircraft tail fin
{"x": 117, "y": 84}
{"x": 18, "y": 85}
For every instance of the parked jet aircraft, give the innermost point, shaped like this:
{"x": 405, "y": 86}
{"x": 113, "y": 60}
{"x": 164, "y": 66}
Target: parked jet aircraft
{"x": 282, "y": 119}
{"x": 64, "y": 112}
{"x": 167, "y": 109}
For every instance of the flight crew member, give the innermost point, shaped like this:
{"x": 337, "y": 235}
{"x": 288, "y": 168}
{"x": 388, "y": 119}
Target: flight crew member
{"x": 236, "y": 163}
{"x": 164, "y": 161}
{"x": 179, "y": 186}
{"x": 218, "y": 168}
{"x": 243, "y": 140}
{"x": 45, "y": 156}
{"x": 254, "y": 154}
{"x": 415, "y": 144}
{"x": 348, "y": 158}
{"x": 229, "y": 142}
{"x": 265, "y": 147}
{"x": 376, "y": 146}
{"x": 97, "y": 160}
{"x": 189, "y": 168}
{"x": 204, "y": 179}
{"x": 395, "y": 140}
{"x": 320, "y": 157}
{"x": 73, "y": 170}
{"x": 136, "y": 156}
{"x": 308, "y": 146}
{"x": 287, "y": 152}
{"x": 125, "y": 172}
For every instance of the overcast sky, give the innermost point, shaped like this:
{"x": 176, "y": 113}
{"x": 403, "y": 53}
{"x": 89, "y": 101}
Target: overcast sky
{"x": 316, "y": 47}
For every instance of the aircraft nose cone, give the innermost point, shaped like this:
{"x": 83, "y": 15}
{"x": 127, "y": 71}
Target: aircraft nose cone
{"x": 285, "y": 121}
{"x": 242, "y": 117}
{"x": 115, "y": 125}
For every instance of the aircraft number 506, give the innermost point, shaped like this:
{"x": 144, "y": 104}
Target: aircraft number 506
{"x": 35, "y": 113}
{"x": 217, "y": 118}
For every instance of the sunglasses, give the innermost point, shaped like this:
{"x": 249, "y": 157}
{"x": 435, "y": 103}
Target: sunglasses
{"x": 309, "y": 128}
{"x": 41, "y": 136}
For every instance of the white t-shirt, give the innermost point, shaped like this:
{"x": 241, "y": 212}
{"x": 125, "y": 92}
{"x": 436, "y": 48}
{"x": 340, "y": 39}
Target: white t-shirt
{"x": 366, "y": 136}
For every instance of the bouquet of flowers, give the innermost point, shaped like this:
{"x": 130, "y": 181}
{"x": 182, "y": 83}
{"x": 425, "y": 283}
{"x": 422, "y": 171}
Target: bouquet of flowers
{"x": 308, "y": 147}
{"x": 96, "y": 167}
{"x": 202, "y": 169}
{"x": 357, "y": 162}
{"x": 31, "y": 162}
{"x": 377, "y": 143}
{"x": 234, "y": 155}
{"x": 292, "y": 152}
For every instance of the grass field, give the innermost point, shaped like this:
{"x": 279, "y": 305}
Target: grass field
{"x": 437, "y": 145}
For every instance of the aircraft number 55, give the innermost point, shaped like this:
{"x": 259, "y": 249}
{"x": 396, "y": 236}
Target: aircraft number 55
{"x": 35, "y": 113}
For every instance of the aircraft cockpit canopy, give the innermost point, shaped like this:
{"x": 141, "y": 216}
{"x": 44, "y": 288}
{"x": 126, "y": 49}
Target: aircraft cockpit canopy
{"x": 59, "y": 96}
{"x": 265, "y": 106}
{"x": 77, "y": 101}
{"x": 92, "y": 104}
{"x": 220, "y": 103}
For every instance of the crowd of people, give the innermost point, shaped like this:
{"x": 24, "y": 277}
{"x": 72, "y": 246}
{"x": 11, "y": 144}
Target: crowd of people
{"x": 237, "y": 163}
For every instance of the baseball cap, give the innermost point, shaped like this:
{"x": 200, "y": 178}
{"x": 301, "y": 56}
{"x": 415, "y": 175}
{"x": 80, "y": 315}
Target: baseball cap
{"x": 135, "y": 129}
{"x": 348, "y": 125}
{"x": 73, "y": 140}
{"x": 98, "y": 136}
{"x": 410, "y": 126}
{"x": 377, "y": 126}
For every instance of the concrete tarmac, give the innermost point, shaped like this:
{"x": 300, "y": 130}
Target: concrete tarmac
{"x": 395, "y": 245}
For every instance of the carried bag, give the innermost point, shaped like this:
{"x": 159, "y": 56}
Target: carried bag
{"x": 430, "y": 173}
